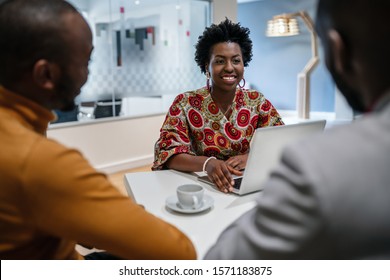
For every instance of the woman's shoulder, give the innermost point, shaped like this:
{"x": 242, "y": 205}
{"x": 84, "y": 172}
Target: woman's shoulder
{"x": 252, "y": 94}
{"x": 185, "y": 96}
{"x": 200, "y": 91}
{"x": 197, "y": 92}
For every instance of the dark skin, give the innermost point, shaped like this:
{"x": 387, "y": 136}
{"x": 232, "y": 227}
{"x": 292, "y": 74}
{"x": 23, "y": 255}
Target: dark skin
{"x": 226, "y": 70}
{"x": 43, "y": 83}
{"x": 356, "y": 53}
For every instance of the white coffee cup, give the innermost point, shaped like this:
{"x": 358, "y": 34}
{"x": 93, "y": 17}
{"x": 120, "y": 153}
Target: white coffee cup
{"x": 190, "y": 196}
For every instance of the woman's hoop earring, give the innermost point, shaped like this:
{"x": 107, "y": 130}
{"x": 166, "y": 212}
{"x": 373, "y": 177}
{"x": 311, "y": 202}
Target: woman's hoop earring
{"x": 242, "y": 86}
{"x": 208, "y": 80}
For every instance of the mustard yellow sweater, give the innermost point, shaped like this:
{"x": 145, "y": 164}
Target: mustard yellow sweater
{"x": 51, "y": 198}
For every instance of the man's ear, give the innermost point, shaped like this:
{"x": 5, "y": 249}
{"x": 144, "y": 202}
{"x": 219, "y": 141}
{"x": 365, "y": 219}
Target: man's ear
{"x": 341, "y": 56}
{"x": 46, "y": 74}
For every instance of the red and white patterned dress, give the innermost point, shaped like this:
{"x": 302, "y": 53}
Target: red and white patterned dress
{"x": 195, "y": 125}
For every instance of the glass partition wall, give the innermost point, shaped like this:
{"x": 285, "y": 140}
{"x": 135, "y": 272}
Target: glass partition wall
{"x": 143, "y": 56}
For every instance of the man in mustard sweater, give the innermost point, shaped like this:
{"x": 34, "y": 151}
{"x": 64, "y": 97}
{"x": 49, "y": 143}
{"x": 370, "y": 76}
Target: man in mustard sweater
{"x": 50, "y": 196}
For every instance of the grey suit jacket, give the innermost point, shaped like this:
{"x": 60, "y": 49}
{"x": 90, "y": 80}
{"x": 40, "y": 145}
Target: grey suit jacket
{"x": 329, "y": 198}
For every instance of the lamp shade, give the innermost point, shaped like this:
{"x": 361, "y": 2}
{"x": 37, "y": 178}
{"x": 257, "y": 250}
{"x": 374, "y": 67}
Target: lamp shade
{"x": 282, "y": 25}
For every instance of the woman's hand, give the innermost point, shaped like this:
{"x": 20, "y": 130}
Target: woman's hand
{"x": 219, "y": 173}
{"x": 237, "y": 163}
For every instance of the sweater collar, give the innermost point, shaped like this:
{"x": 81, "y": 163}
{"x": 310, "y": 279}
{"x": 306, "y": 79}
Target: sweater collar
{"x": 27, "y": 111}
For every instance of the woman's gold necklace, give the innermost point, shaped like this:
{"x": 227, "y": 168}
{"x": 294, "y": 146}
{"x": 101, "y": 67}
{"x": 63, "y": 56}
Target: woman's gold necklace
{"x": 226, "y": 112}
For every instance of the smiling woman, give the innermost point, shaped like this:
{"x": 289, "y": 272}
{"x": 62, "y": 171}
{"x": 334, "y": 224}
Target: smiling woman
{"x": 209, "y": 129}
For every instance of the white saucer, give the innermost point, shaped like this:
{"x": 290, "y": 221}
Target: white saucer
{"x": 172, "y": 203}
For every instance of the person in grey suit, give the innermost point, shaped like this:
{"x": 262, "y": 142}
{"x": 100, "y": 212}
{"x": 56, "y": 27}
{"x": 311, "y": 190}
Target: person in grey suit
{"x": 329, "y": 197}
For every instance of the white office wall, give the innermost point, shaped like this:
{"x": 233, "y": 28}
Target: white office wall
{"x": 224, "y": 8}
{"x": 112, "y": 145}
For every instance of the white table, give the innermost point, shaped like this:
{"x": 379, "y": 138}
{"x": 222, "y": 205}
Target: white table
{"x": 152, "y": 188}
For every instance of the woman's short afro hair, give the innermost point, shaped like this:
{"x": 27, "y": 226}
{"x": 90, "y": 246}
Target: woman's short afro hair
{"x": 226, "y": 31}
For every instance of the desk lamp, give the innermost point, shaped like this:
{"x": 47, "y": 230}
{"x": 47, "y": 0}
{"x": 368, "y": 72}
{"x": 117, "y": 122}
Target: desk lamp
{"x": 287, "y": 25}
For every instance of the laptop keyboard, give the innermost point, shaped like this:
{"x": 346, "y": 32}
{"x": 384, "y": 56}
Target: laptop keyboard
{"x": 237, "y": 183}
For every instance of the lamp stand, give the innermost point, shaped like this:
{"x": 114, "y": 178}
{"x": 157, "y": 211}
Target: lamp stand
{"x": 303, "y": 96}
{"x": 303, "y": 83}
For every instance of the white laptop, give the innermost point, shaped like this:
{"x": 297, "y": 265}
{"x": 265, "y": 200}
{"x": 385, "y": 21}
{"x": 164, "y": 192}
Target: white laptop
{"x": 265, "y": 150}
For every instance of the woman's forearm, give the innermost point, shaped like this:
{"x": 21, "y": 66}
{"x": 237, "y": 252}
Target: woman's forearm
{"x": 186, "y": 162}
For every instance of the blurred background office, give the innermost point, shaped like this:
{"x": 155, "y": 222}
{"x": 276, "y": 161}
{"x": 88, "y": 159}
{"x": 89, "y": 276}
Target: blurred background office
{"x": 143, "y": 58}
{"x": 144, "y": 50}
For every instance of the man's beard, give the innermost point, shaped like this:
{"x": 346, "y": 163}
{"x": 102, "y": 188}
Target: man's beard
{"x": 69, "y": 107}
{"x": 66, "y": 91}
{"x": 353, "y": 97}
